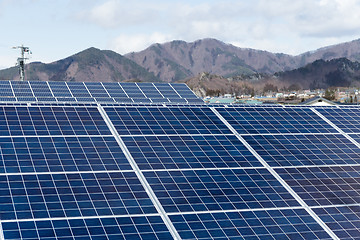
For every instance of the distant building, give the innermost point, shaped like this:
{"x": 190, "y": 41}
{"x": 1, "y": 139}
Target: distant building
{"x": 318, "y": 101}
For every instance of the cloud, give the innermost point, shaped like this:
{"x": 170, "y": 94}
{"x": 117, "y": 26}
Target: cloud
{"x": 280, "y": 24}
{"x": 115, "y": 14}
{"x": 131, "y": 43}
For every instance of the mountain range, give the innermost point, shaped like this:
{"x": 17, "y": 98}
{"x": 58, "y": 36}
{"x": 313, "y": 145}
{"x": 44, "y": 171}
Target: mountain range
{"x": 180, "y": 61}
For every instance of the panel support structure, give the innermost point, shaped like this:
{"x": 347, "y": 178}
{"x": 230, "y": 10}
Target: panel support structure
{"x": 277, "y": 176}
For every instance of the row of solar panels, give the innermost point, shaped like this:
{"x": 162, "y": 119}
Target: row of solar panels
{"x": 161, "y": 172}
{"x": 37, "y": 91}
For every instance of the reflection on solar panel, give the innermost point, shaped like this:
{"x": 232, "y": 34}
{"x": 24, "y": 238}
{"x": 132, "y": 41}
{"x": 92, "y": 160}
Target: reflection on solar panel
{"x": 271, "y": 224}
{"x": 211, "y": 190}
{"x": 347, "y": 119}
{"x": 152, "y": 161}
{"x": 344, "y": 221}
{"x": 322, "y": 186}
{"x": 274, "y": 120}
{"x": 296, "y": 150}
{"x": 182, "y": 152}
{"x": 61, "y": 154}
{"x": 162, "y": 120}
{"x": 72, "y": 195}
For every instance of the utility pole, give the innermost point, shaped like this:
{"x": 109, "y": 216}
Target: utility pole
{"x": 21, "y": 60}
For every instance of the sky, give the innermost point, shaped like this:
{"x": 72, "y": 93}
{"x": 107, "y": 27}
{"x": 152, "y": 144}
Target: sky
{"x": 56, "y": 29}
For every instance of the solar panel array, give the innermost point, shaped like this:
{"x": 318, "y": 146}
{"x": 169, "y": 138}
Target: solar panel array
{"x": 90, "y": 92}
{"x": 85, "y": 167}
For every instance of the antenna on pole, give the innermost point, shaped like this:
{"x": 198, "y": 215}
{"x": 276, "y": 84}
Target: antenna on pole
{"x": 21, "y": 60}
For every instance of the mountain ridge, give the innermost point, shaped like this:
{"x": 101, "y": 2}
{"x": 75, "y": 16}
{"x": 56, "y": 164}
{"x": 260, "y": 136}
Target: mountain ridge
{"x": 177, "y": 61}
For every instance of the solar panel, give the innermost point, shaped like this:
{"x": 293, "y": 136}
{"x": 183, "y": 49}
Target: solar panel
{"x": 136, "y": 227}
{"x": 97, "y": 90}
{"x": 322, "y": 186}
{"x": 261, "y": 120}
{"x": 347, "y": 119}
{"x": 40, "y": 89}
{"x": 61, "y": 154}
{"x": 21, "y": 89}
{"x": 78, "y": 89}
{"x": 163, "y": 120}
{"x": 184, "y": 91}
{"x": 37, "y": 196}
{"x": 271, "y": 224}
{"x": 132, "y": 90}
{"x": 298, "y": 150}
{"x": 344, "y": 221}
{"x": 21, "y": 121}
{"x": 5, "y": 89}
{"x": 151, "y": 161}
{"x": 182, "y": 152}
{"x": 212, "y": 190}
{"x": 60, "y": 90}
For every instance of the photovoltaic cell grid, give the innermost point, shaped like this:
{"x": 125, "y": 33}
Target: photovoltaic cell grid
{"x": 62, "y": 162}
{"x": 182, "y": 192}
{"x": 184, "y": 152}
{"x": 322, "y": 186}
{"x": 261, "y": 120}
{"x": 37, "y": 91}
{"x": 299, "y": 150}
{"x": 61, "y": 154}
{"x": 34, "y": 196}
{"x": 211, "y": 190}
{"x": 32, "y": 121}
{"x": 347, "y": 119}
{"x": 165, "y": 120}
{"x": 343, "y": 221}
{"x": 111, "y": 228}
{"x": 271, "y": 224}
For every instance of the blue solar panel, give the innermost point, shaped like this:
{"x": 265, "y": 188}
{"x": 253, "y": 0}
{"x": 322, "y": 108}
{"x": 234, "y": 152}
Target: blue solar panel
{"x": 149, "y": 90}
{"x": 321, "y": 186}
{"x": 65, "y": 175}
{"x": 210, "y": 190}
{"x": 162, "y": 120}
{"x": 78, "y": 89}
{"x": 19, "y": 121}
{"x": 112, "y": 228}
{"x": 40, "y": 89}
{"x": 272, "y": 224}
{"x": 21, "y": 89}
{"x": 173, "y": 152}
{"x": 61, "y": 154}
{"x": 97, "y": 90}
{"x": 72, "y": 195}
{"x": 5, "y": 89}
{"x": 159, "y": 100}
{"x": 167, "y": 91}
{"x": 297, "y": 150}
{"x": 45, "y": 99}
{"x": 132, "y": 90}
{"x": 261, "y": 120}
{"x": 347, "y": 119}
{"x": 85, "y": 99}
{"x": 115, "y": 90}
{"x": 60, "y": 90}
{"x": 65, "y": 99}
{"x": 343, "y": 221}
